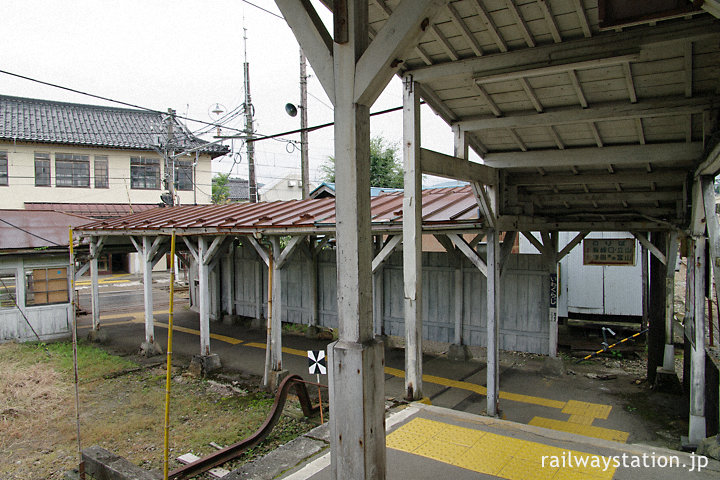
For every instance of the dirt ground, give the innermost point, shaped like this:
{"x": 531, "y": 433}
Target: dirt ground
{"x": 121, "y": 409}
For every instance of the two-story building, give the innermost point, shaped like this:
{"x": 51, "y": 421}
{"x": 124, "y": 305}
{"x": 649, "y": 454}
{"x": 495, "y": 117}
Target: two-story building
{"x": 97, "y": 161}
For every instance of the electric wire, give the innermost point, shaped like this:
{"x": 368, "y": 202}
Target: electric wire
{"x": 30, "y": 233}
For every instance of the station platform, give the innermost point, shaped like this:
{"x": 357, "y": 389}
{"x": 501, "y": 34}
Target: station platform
{"x": 428, "y": 442}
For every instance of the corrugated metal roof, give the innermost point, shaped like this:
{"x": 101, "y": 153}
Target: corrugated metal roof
{"x": 21, "y": 229}
{"x": 99, "y": 211}
{"x": 33, "y": 120}
{"x": 450, "y": 207}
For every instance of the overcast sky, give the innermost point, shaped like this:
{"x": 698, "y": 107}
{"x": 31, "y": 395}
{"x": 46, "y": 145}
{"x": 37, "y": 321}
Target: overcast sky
{"x": 186, "y": 55}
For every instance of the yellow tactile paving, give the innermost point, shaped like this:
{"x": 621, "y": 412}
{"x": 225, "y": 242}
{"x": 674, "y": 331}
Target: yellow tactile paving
{"x": 587, "y": 430}
{"x": 595, "y": 410}
{"x": 489, "y": 453}
{"x": 581, "y": 419}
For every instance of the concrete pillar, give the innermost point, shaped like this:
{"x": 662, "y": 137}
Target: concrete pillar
{"x": 697, "y": 428}
{"x": 412, "y": 241}
{"x": 204, "y": 296}
{"x": 356, "y": 383}
{"x": 656, "y": 312}
{"x": 493, "y": 320}
{"x": 276, "y": 332}
{"x": 94, "y": 280}
{"x": 671, "y": 259}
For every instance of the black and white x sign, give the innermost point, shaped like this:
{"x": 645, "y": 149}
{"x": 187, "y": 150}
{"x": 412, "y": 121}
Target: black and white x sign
{"x": 316, "y": 362}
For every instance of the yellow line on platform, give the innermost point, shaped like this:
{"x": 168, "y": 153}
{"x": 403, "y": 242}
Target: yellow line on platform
{"x": 492, "y": 454}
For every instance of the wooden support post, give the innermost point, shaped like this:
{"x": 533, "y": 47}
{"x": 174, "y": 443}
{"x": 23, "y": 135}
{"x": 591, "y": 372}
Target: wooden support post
{"x": 95, "y": 293}
{"x": 147, "y": 257}
{"x": 314, "y": 273}
{"x": 412, "y": 241}
{"x": 459, "y": 300}
{"x": 378, "y": 293}
{"x": 645, "y": 284}
{"x": 356, "y": 380}
{"x": 697, "y": 430}
{"x": 656, "y": 312}
{"x": 493, "y": 320}
{"x": 276, "y": 332}
{"x": 204, "y": 296}
{"x": 228, "y": 275}
{"x": 671, "y": 256}
{"x": 551, "y": 255}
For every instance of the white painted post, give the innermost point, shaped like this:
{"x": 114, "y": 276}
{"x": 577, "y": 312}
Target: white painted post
{"x": 493, "y": 320}
{"x": 459, "y": 300}
{"x": 671, "y": 258}
{"x": 697, "y": 367}
{"x": 227, "y": 280}
{"x": 412, "y": 241}
{"x": 204, "y": 296}
{"x": 356, "y": 380}
{"x": 95, "y": 293}
{"x": 276, "y": 332}
{"x": 147, "y": 289}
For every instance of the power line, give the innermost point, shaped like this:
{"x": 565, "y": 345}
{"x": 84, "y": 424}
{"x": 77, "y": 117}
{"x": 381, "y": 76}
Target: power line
{"x": 266, "y": 11}
{"x": 108, "y": 99}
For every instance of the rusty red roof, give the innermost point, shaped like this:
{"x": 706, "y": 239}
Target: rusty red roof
{"x": 98, "y": 211}
{"x": 22, "y": 229}
{"x": 442, "y": 207}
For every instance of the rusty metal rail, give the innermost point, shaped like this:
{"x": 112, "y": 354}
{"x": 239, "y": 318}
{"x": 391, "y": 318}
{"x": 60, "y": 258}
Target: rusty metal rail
{"x": 232, "y": 451}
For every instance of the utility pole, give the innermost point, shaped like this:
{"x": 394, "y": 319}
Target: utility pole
{"x": 304, "y": 168}
{"x": 249, "y": 145}
{"x": 169, "y": 155}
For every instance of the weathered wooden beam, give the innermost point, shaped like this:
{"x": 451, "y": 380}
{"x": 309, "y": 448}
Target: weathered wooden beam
{"x": 506, "y": 248}
{"x": 436, "y": 104}
{"x": 443, "y": 41}
{"x": 441, "y": 165}
{"x": 578, "y": 88}
{"x": 381, "y": 60}
{"x": 386, "y": 251}
{"x": 490, "y": 25}
{"x": 582, "y": 18}
{"x": 488, "y": 101}
{"x": 688, "y": 64}
{"x": 651, "y": 248}
{"x": 516, "y": 138}
{"x": 620, "y": 155}
{"x": 674, "y": 176}
{"x": 213, "y": 249}
{"x": 464, "y": 30}
{"x": 471, "y": 254}
{"x": 550, "y": 199}
{"x": 520, "y": 23}
{"x": 493, "y": 321}
{"x": 192, "y": 248}
{"x": 596, "y": 134}
{"x": 630, "y": 82}
{"x": 314, "y": 39}
{"x": 663, "y": 107}
{"x": 572, "y": 244}
{"x": 598, "y": 47}
{"x": 550, "y": 20}
{"x": 485, "y": 203}
{"x": 259, "y": 249}
{"x": 535, "y": 242}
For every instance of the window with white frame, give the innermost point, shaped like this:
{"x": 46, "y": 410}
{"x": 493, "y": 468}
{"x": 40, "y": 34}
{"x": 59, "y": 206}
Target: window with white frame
{"x": 72, "y": 170}
{"x": 144, "y": 173}
{"x": 46, "y": 286}
{"x": 183, "y": 174}
{"x": 101, "y": 172}
{"x": 3, "y": 168}
{"x": 8, "y": 289}
{"x": 42, "y": 169}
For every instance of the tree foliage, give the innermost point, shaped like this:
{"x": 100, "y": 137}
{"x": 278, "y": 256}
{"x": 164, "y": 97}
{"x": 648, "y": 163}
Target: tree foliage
{"x": 220, "y": 188}
{"x": 385, "y": 167}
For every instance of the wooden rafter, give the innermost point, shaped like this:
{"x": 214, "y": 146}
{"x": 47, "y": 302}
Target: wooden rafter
{"x": 423, "y": 55}
{"x": 464, "y": 30}
{"x": 531, "y": 94}
{"x": 489, "y": 101}
{"x": 550, "y": 20}
{"x": 640, "y": 130}
{"x": 582, "y": 18}
{"x": 556, "y": 137}
{"x": 630, "y": 82}
{"x": 520, "y": 22}
{"x": 490, "y": 24}
{"x": 443, "y": 41}
{"x": 383, "y": 6}
{"x": 516, "y": 138}
{"x": 688, "y": 129}
{"x": 596, "y": 134}
{"x": 578, "y": 88}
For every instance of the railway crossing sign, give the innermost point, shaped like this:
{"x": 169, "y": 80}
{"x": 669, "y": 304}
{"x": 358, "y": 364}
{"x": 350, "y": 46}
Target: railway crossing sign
{"x": 316, "y": 362}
